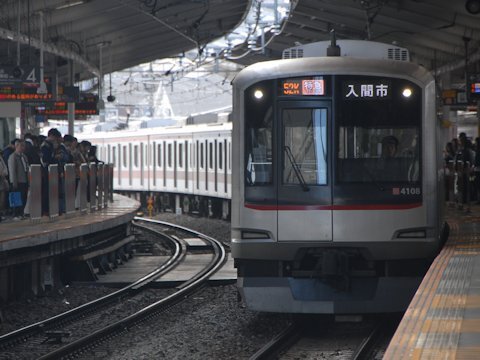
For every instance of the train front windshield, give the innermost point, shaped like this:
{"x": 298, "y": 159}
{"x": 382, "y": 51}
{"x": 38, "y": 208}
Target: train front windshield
{"x": 354, "y": 137}
{"x": 378, "y": 136}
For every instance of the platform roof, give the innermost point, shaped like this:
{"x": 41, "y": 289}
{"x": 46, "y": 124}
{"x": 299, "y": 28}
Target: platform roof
{"x": 433, "y": 30}
{"x": 129, "y": 32}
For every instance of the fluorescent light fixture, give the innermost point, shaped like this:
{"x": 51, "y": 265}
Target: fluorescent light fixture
{"x": 70, "y": 4}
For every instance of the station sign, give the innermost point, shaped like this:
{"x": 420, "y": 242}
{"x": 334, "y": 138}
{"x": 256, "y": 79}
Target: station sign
{"x": 454, "y": 97}
{"x": 25, "y": 75}
{"x": 87, "y": 105}
{"x": 302, "y": 87}
{"x": 12, "y": 93}
{"x": 60, "y": 108}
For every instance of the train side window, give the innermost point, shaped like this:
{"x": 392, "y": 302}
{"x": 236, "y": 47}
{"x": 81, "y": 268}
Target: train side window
{"x": 192, "y": 155}
{"x": 109, "y": 151}
{"x": 159, "y": 155}
{"x": 259, "y": 154}
{"x": 201, "y": 156}
{"x": 180, "y": 155}
{"x": 220, "y": 156}
{"x": 147, "y": 155}
{"x": 210, "y": 153}
{"x": 119, "y": 147}
{"x": 135, "y": 155}
{"x": 154, "y": 156}
{"x": 142, "y": 161}
{"x": 130, "y": 163}
{"x": 229, "y": 156}
{"x": 125, "y": 156}
{"x": 114, "y": 160}
{"x": 169, "y": 155}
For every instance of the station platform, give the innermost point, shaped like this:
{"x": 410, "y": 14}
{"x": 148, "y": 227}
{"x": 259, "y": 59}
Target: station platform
{"x": 24, "y": 233}
{"x": 443, "y": 319}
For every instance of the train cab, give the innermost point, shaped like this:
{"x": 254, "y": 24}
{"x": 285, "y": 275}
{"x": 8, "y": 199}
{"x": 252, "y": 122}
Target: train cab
{"x": 334, "y": 204}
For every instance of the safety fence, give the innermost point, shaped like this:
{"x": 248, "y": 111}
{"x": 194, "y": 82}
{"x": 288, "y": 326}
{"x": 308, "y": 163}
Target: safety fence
{"x": 69, "y": 190}
{"x": 460, "y": 184}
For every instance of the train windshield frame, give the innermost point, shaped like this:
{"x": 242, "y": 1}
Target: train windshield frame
{"x": 378, "y": 130}
{"x": 305, "y": 146}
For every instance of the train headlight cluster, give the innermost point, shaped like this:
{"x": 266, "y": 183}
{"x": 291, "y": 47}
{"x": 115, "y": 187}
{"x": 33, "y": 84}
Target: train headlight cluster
{"x": 407, "y": 92}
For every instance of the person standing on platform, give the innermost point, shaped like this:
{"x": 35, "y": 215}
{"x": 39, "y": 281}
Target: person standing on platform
{"x": 48, "y": 152}
{"x": 4, "y": 187}
{"x": 18, "y": 173}
{"x": 78, "y": 159}
{"x": 8, "y": 150}
{"x": 84, "y": 148}
{"x": 31, "y": 150}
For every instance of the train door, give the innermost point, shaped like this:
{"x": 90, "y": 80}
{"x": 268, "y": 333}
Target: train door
{"x": 304, "y": 196}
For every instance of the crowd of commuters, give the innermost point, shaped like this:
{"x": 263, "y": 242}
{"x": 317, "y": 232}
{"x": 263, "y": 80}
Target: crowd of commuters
{"x": 19, "y": 154}
{"x": 462, "y": 163}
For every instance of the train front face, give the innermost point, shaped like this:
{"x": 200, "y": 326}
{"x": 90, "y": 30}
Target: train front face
{"x": 334, "y": 199}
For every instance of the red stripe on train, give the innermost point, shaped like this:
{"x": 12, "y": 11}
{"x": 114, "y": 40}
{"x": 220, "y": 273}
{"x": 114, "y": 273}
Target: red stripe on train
{"x": 335, "y": 207}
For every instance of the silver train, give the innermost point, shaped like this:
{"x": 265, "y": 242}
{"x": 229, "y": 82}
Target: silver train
{"x": 337, "y": 180}
{"x": 185, "y": 169}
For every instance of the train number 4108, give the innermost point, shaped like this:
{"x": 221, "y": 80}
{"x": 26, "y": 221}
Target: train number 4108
{"x": 406, "y": 191}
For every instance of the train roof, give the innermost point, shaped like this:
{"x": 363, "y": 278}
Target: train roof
{"x": 169, "y": 130}
{"x": 334, "y": 65}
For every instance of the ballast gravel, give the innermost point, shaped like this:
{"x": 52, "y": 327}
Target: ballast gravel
{"x": 212, "y": 324}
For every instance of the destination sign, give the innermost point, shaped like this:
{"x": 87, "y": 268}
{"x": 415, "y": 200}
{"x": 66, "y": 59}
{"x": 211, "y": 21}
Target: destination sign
{"x": 302, "y": 87}
{"x": 9, "y": 93}
{"x": 367, "y": 90}
{"x": 61, "y": 108}
{"x": 25, "y": 92}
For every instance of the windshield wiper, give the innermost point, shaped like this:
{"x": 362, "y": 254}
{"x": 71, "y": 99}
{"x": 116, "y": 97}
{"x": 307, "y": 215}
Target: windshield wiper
{"x": 296, "y": 169}
{"x": 374, "y": 181}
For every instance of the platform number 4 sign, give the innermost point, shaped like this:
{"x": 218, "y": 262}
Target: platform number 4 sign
{"x": 31, "y": 76}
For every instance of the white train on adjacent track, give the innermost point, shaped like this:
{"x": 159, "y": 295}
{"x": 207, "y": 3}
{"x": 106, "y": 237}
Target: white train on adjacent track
{"x": 185, "y": 168}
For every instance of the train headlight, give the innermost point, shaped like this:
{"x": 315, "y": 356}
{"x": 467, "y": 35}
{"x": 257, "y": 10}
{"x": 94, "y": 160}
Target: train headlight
{"x": 258, "y": 94}
{"x": 407, "y": 92}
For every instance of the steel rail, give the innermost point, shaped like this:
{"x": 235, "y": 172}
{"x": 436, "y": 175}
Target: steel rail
{"x": 366, "y": 349}
{"x": 283, "y": 340}
{"x": 102, "y": 335}
{"x": 20, "y": 335}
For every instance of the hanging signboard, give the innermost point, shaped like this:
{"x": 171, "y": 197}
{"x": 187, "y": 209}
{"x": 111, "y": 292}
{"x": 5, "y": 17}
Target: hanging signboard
{"x": 11, "y": 93}
{"x": 25, "y": 75}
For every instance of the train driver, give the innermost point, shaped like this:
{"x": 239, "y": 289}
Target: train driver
{"x": 389, "y": 147}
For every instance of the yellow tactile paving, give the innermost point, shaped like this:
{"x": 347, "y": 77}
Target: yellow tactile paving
{"x": 407, "y": 333}
{"x": 437, "y": 337}
{"x": 434, "y": 354}
{"x": 470, "y": 326}
{"x": 442, "y": 325}
{"x": 468, "y": 353}
{"x": 451, "y": 325}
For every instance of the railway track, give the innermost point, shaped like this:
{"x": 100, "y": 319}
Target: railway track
{"x": 33, "y": 336}
{"x": 286, "y": 345}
